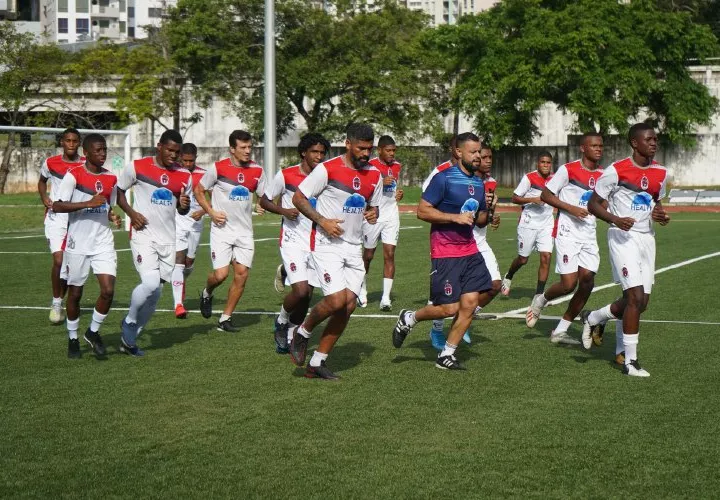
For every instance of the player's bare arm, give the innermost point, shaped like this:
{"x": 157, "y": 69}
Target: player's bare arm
{"x": 62, "y": 207}
{"x": 551, "y": 199}
{"x": 272, "y": 207}
{"x": 218, "y": 217}
{"x": 598, "y": 207}
{"x": 482, "y": 219}
{"x": 399, "y": 193}
{"x": 114, "y": 218}
{"x": 521, "y": 200}
{"x": 42, "y": 189}
{"x": 659, "y": 214}
{"x": 137, "y": 220}
{"x": 428, "y": 213}
{"x": 197, "y": 214}
{"x": 330, "y": 226}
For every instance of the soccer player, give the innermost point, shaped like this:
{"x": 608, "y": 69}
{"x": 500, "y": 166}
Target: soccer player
{"x": 345, "y": 186}
{"x": 54, "y": 169}
{"x": 295, "y": 236}
{"x": 577, "y": 256}
{"x": 633, "y": 189}
{"x": 233, "y": 182}
{"x": 188, "y": 232}
{"x": 454, "y": 203}
{"x": 387, "y": 228}
{"x": 536, "y": 224}
{"x": 160, "y": 188}
{"x": 87, "y": 193}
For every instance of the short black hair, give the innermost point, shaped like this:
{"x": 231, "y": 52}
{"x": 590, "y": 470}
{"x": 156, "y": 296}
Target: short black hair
{"x": 590, "y": 134}
{"x": 545, "y": 154}
{"x": 92, "y": 139}
{"x": 638, "y": 129}
{"x": 385, "y": 140}
{"x": 239, "y": 135}
{"x": 465, "y": 137}
{"x": 485, "y": 145}
{"x": 360, "y": 132}
{"x": 188, "y": 149}
{"x": 309, "y": 140}
{"x": 171, "y": 135}
{"x": 70, "y": 130}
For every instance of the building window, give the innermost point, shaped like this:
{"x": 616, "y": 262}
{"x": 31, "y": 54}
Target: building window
{"x": 154, "y": 12}
{"x": 131, "y": 11}
{"x": 62, "y": 5}
{"x": 122, "y": 5}
{"x": 62, "y": 25}
{"x": 82, "y": 6}
{"x": 104, "y": 23}
{"x": 82, "y": 26}
{"x": 123, "y": 26}
{"x": 131, "y": 32}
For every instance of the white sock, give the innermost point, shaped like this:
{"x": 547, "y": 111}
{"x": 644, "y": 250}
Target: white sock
{"x": 302, "y": 331}
{"x": 97, "y": 320}
{"x": 284, "y": 316}
{"x": 387, "y": 287}
{"x": 205, "y": 293}
{"x": 72, "y": 327}
{"x": 224, "y": 317}
{"x": 562, "y": 326}
{"x": 56, "y": 301}
{"x": 317, "y": 358}
{"x": 410, "y": 318}
{"x": 149, "y": 284}
{"x": 178, "y": 282}
{"x": 631, "y": 343}
{"x": 619, "y": 334}
{"x": 363, "y": 287}
{"x": 602, "y": 315}
{"x": 290, "y": 330}
{"x": 438, "y": 325}
{"x": 449, "y": 349}
{"x": 543, "y": 301}
{"x": 148, "y": 308}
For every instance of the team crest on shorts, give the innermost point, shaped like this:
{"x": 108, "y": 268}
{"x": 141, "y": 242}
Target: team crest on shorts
{"x": 212, "y": 255}
{"x": 293, "y": 267}
{"x": 356, "y": 183}
{"x": 139, "y": 259}
{"x": 241, "y": 177}
{"x": 448, "y": 288}
{"x": 327, "y": 278}
{"x": 565, "y": 259}
{"x": 98, "y": 187}
{"x": 521, "y": 244}
{"x": 625, "y": 272}
{"x": 591, "y": 183}
{"x": 164, "y": 179}
{"x": 644, "y": 183}
{"x": 471, "y": 189}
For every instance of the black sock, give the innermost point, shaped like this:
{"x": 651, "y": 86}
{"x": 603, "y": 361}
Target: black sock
{"x": 509, "y": 275}
{"x": 540, "y": 287}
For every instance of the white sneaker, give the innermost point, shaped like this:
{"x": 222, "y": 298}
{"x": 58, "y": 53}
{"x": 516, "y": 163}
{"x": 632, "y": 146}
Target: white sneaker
{"x": 633, "y": 369}
{"x": 505, "y": 288}
{"x": 533, "y": 313}
{"x": 562, "y": 338}
{"x": 385, "y": 304}
{"x": 587, "y": 330}
{"x": 57, "y": 314}
{"x": 362, "y": 299}
{"x": 279, "y": 282}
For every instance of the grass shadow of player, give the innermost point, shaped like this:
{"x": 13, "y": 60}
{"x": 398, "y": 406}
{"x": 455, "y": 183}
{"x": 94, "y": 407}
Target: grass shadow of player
{"x": 343, "y": 358}
{"x": 160, "y": 337}
{"x": 428, "y": 352}
{"x": 604, "y": 354}
{"x": 520, "y": 293}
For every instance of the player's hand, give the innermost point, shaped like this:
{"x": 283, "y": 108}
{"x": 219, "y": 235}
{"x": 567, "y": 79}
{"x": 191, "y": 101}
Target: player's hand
{"x": 114, "y": 219}
{"x": 96, "y": 201}
{"x": 218, "y": 217}
{"x": 138, "y": 221}
{"x": 197, "y": 214}
{"x": 184, "y": 201}
{"x": 388, "y": 181}
{"x": 399, "y": 194}
{"x": 465, "y": 218}
{"x": 332, "y": 227}
{"x": 371, "y": 215}
{"x": 490, "y": 199}
{"x": 291, "y": 214}
{"x": 48, "y": 203}
{"x": 259, "y": 210}
{"x": 579, "y": 212}
{"x": 495, "y": 222}
{"x": 660, "y": 215}
{"x": 624, "y": 223}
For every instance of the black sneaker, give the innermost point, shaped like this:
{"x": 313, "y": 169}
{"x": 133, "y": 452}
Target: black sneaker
{"x": 227, "y": 326}
{"x": 298, "y": 348}
{"x": 205, "y": 306}
{"x": 401, "y": 330}
{"x": 321, "y": 371}
{"x": 96, "y": 343}
{"x": 281, "y": 340}
{"x": 448, "y": 363}
{"x": 74, "y": 349}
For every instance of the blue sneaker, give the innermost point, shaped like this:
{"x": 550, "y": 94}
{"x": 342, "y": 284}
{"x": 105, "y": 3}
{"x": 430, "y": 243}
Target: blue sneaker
{"x": 466, "y": 337}
{"x": 128, "y": 339}
{"x": 134, "y": 351}
{"x": 437, "y": 338}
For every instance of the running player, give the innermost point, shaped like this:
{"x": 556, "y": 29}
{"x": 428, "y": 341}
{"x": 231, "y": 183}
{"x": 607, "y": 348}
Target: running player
{"x": 454, "y": 203}
{"x": 387, "y": 228}
{"x": 54, "y": 169}
{"x": 160, "y": 188}
{"x": 345, "y": 187}
{"x": 577, "y": 256}
{"x": 233, "y": 182}
{"x": 188, "y": 232}
{"x": 295, "y": 237}
{"x": 633, "y": 188}
{"x": 87, "y": 193}
{"x": 536, "y": 224}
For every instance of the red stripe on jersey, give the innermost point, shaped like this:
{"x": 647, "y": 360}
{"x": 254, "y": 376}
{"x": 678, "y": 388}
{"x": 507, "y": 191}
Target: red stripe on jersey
{"x": 583, "y": 177}
{"x": 538, "y": 181}
{"x": 58, "y": 167}
{"x": 101, "y": 183}
{"x": 281, "y": 233}
{"x": 239, "y": 176}
{"x": 361, "y": 181}
{"x": 293, "y": 176}
{"x": 197, "y": 174}
{"x": 648, "y": 179}
{"x": 175, "y": 178}
{"x": 313, "y": 232}
{"x": 444, "y": 166}
{"x": 555, "y": 225}
{"x": 385, "y": 169}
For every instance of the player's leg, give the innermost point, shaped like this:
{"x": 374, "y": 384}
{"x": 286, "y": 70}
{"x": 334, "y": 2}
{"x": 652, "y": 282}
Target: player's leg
{"x": 147, "y": 264}
{"x": 178, "y": 282}
{"x": 59, "y": 287}
{"x": 389, "y": 233}
{"x": 104, "y": 268}
{"x": 446, "y": 359}
{"x": 296, "y": 261}
{"x": 371, "y": 236}
{"x": 566, "y": 265}
{"x": 525, "y": 242}
{"x": 242, "y": 261}
{"x": 544, "y": 245}
{"x": 326, "y": 307}
{"x": 221, "y": 255}
{"x": 78, "y": 267}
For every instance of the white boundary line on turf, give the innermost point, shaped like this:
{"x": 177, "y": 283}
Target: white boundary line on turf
{"x": 566, "y": 298}
{"x": 558, "y": 318}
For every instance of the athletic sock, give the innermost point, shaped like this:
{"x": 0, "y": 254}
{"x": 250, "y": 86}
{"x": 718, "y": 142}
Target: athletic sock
{"x": 562, "y": 326}
{"x": 540, "y": 287}
{"x": 97, "y": 320}
{"x": 619, "y": 334}
{"x": 283, "y": 317}
{"x": 56, "y": 301}
{"x": 72, "y": 327}
{"x": 410, "y": 318}
{"x": 542, "y": 300}
{"x": 449, "y": 349}
{"x": 631, "y": 343}
{"x": 387, "y": 287}
{"x": 302, "y": 331}
{"x": 438, "y": 325}
{"x": 178, "y": 282}
{"x": 224, "y": 317}
{"x": 205, "y": 294}
{"x": 509, "y": 275}
{"x": 290, "y": 331}
{"x": 317, "y": 358}
{"x": 602, "y": 315}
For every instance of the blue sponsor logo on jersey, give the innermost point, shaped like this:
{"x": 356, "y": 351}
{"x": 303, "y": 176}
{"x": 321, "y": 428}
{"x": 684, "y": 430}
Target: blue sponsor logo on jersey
{"x": 641, "y": 202}
{"x": 97, "y": 210}
{"x": 313, "y": 202}
{"x": 390, "y": 188}
{"x": 585, "y": 198}
{"x": 355, "y": 204}
{"x": 239, "y": 193}
{"x": 162, "y": 196}
{"x": 471, "y": 205}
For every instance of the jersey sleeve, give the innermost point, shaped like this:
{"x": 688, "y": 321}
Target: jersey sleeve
{"x": 276, "y": 187}
{"x": 558, "y": 181}
{"x": 377, "y": 193}
{"x": 314, "y": 183}
{"x": 209, "y": 178}
{"x": 127, "y": 178}
{"x": 522, "y": 188}
{"x": 66, "y": 188}
{"x": 607, "y": 183}
{"x": 44, "y": 170}
{"x": 113, "y": 196}
{"x": 426, "y": 183}
{"x": 261, "y": 185}
{"x": 435, "y": 191}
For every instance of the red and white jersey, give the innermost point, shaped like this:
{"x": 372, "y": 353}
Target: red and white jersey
{"x": 388, "y": 204}
{"x": 89, "y": 230}
{"x": 232, "y": 193}
{"x": 435, "y": 171}
{"x": 156, "y": 191}
{"x": 54, "y": 169}
{"x": 342, "y": 193}
{"x": 632, "y": 191}
{"x": 574, "y": 184}
{"x": 293, "y": 233}
{"x": 185, "y": 222}
{"x": 480, "y": 233}
{"x": 534, "y": 216}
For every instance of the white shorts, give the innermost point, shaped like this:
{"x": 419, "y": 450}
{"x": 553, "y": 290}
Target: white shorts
{"x": 632, "y": 256}
{"x": 151, "y": 257}
{"x": 338, "y": 267}
{"x": 187, "y": 240}
{"x": 539, "y": 239}
{"x": 56, "y": 233}
{"x": 490, "y": 262}
{"x": 298, "y": 266}
{"x": 386, "y": 230}
{"x": 78, "y": 266}
{"x": 223, "y": 252}
{"x": 570, "y": 255}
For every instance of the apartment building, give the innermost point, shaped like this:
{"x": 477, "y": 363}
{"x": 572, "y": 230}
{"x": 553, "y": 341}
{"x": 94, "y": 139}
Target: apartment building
{"x": 448, "y": 11}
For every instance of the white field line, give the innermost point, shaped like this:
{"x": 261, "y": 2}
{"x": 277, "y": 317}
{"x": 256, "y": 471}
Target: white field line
{"x": 566, "y": 298}
{"x": 558, "y": 318}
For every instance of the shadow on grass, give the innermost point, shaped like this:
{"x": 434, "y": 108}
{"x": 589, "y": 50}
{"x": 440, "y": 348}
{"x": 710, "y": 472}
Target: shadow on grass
{"x": 519, "y": 293}
{"x": 163, "y": 338}
{"x": 342, "y": 358}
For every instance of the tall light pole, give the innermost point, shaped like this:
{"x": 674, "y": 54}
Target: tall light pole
{"x": 270, "y": 142}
